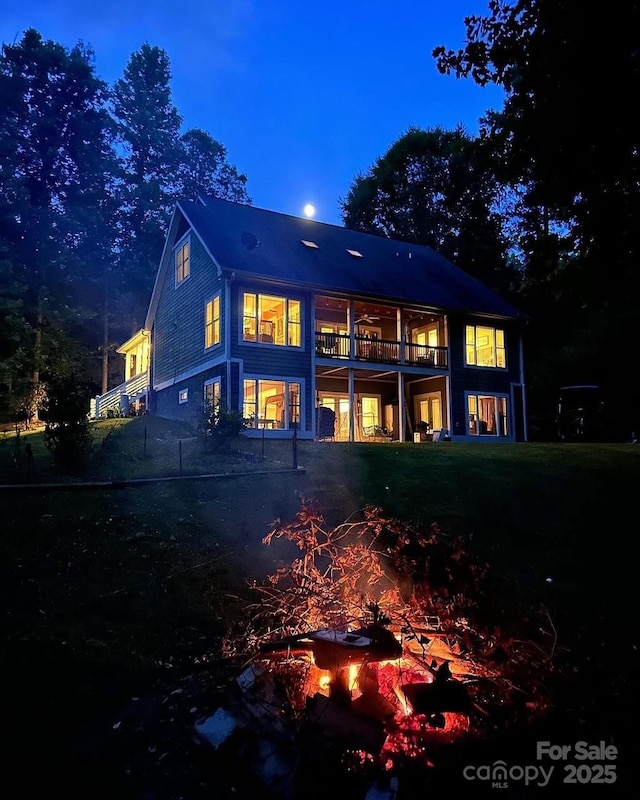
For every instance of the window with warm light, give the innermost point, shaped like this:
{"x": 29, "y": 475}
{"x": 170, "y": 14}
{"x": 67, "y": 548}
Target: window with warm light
{"x": 487, "y": 415}
{"x": 370, "y": 413}
{"x": 271, "y": 404}
{"x": 272, "y": 320}
{"x": 183, "y": 396}
{"x": 485, "y": 347}
{"x": 212, "y": 322}
{"x": 212, "y": 392}
{"x": 183, "y": 261}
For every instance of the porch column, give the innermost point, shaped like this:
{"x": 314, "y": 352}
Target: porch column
{"x": 352, "y": 330}
{"x": 400, "y": 335}
{"x": 352, "y": 406}
{"x": 401, "y": 414}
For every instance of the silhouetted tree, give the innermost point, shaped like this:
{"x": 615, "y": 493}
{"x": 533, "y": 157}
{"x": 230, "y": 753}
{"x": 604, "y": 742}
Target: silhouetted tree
{"x": 565, "y": 139}
{"x": 204, "y": 169}
{"x": 148, "y": 126}
{"x": 54, "y": 173}
{"x": 435, "y": 187}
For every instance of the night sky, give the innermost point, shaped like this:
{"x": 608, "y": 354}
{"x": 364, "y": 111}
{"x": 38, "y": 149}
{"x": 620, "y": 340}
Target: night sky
{"x": 304, "y": 96}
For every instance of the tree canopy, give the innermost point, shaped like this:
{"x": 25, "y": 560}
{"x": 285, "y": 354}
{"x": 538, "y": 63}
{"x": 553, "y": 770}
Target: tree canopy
{"x": 568, "y": 139}
{"x": 433, "y": 187}
{"x": 89, "y": 175}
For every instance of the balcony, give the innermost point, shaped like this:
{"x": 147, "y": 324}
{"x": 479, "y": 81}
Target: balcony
{"x": 385, "y": 351}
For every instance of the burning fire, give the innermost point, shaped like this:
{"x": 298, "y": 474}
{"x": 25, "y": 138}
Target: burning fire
{"x": 386, "y": 642}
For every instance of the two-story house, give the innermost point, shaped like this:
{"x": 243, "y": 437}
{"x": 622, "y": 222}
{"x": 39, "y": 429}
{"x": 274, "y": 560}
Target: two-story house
{"x": 335, "y": 334}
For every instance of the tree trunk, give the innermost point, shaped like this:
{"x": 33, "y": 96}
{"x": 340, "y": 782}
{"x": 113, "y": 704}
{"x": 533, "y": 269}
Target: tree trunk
{"x": 105, "y": 338}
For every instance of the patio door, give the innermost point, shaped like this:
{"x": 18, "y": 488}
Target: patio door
{"x": 429, "y": 409}
{"x": 339, "y": 404}
{"x": 368, "y": 417}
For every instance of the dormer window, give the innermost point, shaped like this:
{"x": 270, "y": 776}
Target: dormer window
{"x": 312, "y": 245}
{"x": 355, "y": 253}
{"x": 183, "y": 261}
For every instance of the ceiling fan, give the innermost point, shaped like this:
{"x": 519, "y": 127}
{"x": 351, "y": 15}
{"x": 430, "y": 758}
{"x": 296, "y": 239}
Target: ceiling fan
{"x": 366, "y": 319}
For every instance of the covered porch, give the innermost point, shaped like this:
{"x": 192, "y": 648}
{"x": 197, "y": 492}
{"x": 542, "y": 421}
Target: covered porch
{"x": 131, "y": 396}
{"x": 357, "y": 404}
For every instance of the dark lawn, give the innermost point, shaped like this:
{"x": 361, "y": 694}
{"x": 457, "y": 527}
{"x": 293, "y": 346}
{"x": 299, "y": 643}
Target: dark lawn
{"x": 115, "y": 601}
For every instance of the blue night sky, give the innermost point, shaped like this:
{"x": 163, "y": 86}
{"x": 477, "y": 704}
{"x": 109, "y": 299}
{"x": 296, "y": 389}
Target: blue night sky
{"x": 304, "y": 96}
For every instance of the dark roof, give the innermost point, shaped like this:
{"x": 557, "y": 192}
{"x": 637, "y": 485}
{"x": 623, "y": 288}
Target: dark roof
{"x": 246, "y": 239}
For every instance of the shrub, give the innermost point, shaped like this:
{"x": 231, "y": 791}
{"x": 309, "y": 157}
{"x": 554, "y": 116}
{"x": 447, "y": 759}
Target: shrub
{"x": 67, "y": 432}
{"x": 219, "y": 428}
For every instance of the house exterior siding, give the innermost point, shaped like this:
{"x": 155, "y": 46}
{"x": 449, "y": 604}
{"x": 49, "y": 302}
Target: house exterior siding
{"x": 166, "y": 402}
{"x": 178, "y": 330}
{"x": 465, "y": 378}
{"x": 382, "y": 331}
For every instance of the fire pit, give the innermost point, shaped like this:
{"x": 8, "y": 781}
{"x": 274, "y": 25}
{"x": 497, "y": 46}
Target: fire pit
{"x": 401, "y": 659}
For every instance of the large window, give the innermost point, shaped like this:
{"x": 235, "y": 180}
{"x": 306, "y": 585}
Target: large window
{"x": 183, "y": 261}
{"x": 487, "y": 415}
{"x": 485, "y": 347}
{"x": 212, "y": 322}
{"x": 271, "y": 320}
{"x": 271, "y": 404}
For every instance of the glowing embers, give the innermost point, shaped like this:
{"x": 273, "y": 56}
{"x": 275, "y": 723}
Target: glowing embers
{"x": 385, "y": 708}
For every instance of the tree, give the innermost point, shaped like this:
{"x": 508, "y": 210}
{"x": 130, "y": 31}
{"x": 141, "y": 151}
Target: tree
{"x": 67, "y": 431}
{"x": 54, "y": 176}
{"x": 565, "y": 138}
{"x": 433, "y": 187}
{"x": 204, "y": 170}
{"x": 148, "y": 133}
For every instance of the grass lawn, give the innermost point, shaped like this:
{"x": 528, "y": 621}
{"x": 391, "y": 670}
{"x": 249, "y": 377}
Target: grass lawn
{"x": 115, "y": 600}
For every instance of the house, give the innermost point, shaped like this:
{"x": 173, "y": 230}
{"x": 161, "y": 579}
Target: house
{"x": 311, "y": 327}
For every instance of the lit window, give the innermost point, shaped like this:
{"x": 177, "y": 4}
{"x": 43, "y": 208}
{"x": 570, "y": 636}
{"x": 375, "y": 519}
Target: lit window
{"x": 272, "y": 320}
{"x": 485, "y": 347}
{"x": 307, "y": 243}
{"x": 183, "y": 262}
{"x": 212, "y": 322}
{"x": 487, "y": 415}
{"x": 354, "y": 253}
{"x": 271, "y": 404}
{"x": 212, "y": 392}
{"x": 183, "y": 396}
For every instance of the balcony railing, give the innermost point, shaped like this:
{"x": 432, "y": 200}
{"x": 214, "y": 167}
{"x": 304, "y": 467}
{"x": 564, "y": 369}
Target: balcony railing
{"x": 336, "y": 345}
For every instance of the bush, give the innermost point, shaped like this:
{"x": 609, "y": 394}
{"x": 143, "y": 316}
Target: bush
{"x": 67, "y": 433}
{"x": 218, "y": 427}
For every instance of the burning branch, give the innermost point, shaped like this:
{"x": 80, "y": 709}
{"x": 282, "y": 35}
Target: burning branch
{"x": 375, "y": 591}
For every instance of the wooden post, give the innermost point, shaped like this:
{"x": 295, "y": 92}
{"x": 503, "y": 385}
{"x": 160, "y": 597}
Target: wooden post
{"x": 180, "y": 453}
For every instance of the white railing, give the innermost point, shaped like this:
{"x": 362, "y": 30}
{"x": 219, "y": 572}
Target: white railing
{"x": 118, "y": 398}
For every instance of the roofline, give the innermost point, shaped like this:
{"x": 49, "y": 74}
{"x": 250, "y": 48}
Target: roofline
{"x": 165, "y": 261}
{"x": 137, "y": 337}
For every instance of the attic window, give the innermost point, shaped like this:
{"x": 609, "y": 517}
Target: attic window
{"x": 354, "y": 253}
{"x": 313, "y": 245}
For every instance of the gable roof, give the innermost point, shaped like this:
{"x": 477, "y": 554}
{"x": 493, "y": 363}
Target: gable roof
{"x": 255, "y": 242}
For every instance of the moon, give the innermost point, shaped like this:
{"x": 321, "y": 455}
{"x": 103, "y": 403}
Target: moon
{"x": 310, "y": 210}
